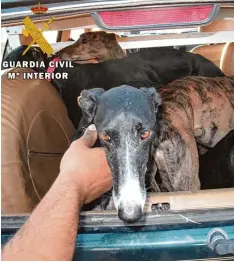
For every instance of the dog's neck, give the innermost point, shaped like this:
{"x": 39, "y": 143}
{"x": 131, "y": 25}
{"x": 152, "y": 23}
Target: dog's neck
{"x": 175, "y": 116}
{"x": 59, "y": 84}
{"x": 112, "y": 54}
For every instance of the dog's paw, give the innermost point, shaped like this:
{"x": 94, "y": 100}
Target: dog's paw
{"x": 160, "y": 207}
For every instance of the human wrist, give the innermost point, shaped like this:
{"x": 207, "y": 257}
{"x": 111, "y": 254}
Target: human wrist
{"x": 75, "y": 180}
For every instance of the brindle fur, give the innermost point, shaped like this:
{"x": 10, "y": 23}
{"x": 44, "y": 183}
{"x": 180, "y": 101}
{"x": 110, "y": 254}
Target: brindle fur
{"x": 194, "y": 109}
{"x": 93, "y": 46}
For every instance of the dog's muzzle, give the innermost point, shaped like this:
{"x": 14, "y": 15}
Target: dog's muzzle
{"x": 130, "y": 211}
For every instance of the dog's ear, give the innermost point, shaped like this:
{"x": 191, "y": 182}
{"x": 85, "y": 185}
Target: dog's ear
{"x": 154, "y": 95}
{"x": 112, "y": 36}
{"x": 88, "y": 103}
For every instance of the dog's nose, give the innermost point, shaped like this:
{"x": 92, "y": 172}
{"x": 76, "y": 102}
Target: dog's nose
{"x": 130, "y": 212}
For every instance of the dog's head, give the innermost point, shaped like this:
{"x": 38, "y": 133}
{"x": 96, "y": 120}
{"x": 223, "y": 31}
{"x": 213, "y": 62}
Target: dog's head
{"x": 126, "y": 121}
{"x": 91, "y": 47}
{"x": 33, "y": 54}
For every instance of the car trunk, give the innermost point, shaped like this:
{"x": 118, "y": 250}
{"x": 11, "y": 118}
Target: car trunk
{"x": 176, "y": 225}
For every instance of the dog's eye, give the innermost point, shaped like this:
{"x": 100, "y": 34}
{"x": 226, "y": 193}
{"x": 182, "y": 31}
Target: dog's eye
{"x": 145, "y": 134}
{"x": 104, "y": 137}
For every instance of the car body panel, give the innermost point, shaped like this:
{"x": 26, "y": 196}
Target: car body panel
{"x": 158, "y": 236}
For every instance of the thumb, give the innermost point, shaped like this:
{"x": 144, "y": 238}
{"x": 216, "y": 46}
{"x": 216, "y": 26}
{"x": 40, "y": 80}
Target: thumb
{"x": 90, "y": 136}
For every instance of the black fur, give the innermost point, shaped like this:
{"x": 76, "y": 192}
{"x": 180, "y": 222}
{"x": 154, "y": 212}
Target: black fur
{"x": 151, "y": 67}
{"x": 217, "y": 165}
{"x": 34, "y": 54}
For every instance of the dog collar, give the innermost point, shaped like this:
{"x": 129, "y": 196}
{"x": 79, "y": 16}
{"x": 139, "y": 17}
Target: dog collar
{"x": 50, "y": 69}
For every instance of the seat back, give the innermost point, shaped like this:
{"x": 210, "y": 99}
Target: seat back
{"x": 36, "y": 132}
{"x": 211, "y": 52}
{"x": 227, "y": 60}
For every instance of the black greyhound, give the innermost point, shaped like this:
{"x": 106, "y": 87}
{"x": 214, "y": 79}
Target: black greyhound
{"x": 152, "y": 67}
{"x": 126, "y": 129}
{"x": 216, "y": 167}
{"x": 34, "y": 54}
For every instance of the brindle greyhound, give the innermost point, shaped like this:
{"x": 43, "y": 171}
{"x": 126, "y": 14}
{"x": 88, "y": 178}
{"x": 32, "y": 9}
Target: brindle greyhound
{"x": 92, "y": 47}
{"x": 195, "y": 109}
{"x": 136, "y": 125}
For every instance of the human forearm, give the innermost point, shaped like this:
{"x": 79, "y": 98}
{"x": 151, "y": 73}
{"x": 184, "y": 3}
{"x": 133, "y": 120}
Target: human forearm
{"x": 50, "y": 232}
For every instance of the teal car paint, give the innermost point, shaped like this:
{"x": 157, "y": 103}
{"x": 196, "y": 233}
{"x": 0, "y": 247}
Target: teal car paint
{"x": 158, "y": 236}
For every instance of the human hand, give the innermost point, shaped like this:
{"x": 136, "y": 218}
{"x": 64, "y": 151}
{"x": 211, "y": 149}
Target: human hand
{"x": 88, "y": 166}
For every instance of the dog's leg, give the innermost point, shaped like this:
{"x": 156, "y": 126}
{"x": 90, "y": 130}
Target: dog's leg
{"x": 177, "y": 161}
{"x": 152, "y": 177}
{"x": 110, "y": 205}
